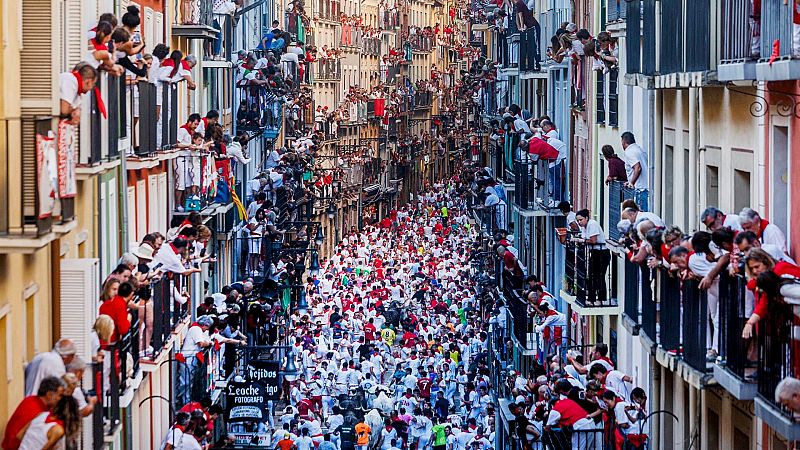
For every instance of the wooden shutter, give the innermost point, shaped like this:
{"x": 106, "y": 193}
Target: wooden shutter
{"x": 73, "y": 34}
{"x": 158, "y": 28}
{"x": 36, "y": 87}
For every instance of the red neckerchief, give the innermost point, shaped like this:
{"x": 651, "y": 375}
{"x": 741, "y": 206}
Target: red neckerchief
{"x": 78, "y": 77}
{"x": 98, "y": 45}
{"x": 188, "y": 130}
{"x": 174, "y": 249}
{"x": 100, "y": 105}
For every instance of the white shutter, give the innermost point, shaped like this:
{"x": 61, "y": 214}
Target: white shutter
{"x": 153, "y": 213}
{"x": 80, "y": 293}
{"x": 163, "y": 204}
{"x": 149, "y": 29}
{"x": 158, "y": 28}
{"x": 113, "y": 223}
{"x": 133, "y": 226}
{"x": 74, "y": 34}
{"x": 141, "y": 209}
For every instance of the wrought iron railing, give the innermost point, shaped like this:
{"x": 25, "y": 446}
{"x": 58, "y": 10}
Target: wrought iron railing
{"x": 777, "y": 352}
{"x": 738, "y": 30}
{"x": 736, "y": 353}
{"x": 777, "y": 24}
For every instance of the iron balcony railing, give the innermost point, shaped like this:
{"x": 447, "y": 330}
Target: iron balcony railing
{"x": 350, "y": 36}
{"x": 581, "y": 281}
{"x": 169, "y": 309}
{"x": 329, "y": 69}
{"x": 736, "y": 354}
{"x": 371, "y": 46}
{"x": 649, "y": 305}
{"x": 680, "y": 32}
{"x": 617, "y": 193}
{"x": 740, "y": 31}
{"x": 616, "y": 10}
{"x": 537, "y": 184}
{"x": 777, "y": 24}
{"x": 669, "y": 314}
{"x": 778, "y": 352}
{"x": 631, "y": 298}
{"x": 422, "y": 43}
{"x": 530, "y": 56}
{"x": 423, "y": 99}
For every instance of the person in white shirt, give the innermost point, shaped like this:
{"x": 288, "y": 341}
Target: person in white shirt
{"x": 636, "y": 167}
{"x": 593, "y": 237}
{"x": 768, "y": 233}
{"x": 72, "y": 86}
{"x": 175, "y": 433}
{"x": 701, "y": 264}
{"x": 48, "y": 364}
{"x": 195, "y": 341}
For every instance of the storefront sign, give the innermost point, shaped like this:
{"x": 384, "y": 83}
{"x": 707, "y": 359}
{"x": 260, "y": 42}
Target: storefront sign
{"x": 265, "y": 373}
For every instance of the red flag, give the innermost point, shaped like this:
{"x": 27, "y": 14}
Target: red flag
{"x": 776, "y": 51}
{"x": 201, "y": 357}
{"x": 100, "y": 105}
{"x": 180, "y": 358}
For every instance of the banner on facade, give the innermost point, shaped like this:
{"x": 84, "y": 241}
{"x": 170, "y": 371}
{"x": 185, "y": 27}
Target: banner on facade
{"x": 265, "y": 373}
{"x": 47, "y": 175}
{"x": 67, "y": 159}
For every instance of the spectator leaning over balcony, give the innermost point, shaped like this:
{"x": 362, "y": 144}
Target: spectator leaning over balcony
{"x": 704, "y": 263}
{"x": 520, "y": 126}
{"x": 767, "y": 232}
{"x": 787, "y": 393}
{"x": 194, "y": 342}
{"x": 715, "y": 219}
{"x": 85, "y": 404}
{"x": 72, "y": 86}
{"x": 117, "y": 309}
{"x": 212, "y": 117}
{"x": 593, "y": 237}
{"x": 616, "y": 166}
{"x": 747, "y": 240}
{"x": 49, "y": 393}
{"x": 49, "y": 364}
{"x": 170, "y": 257}
{"x": 636, "y": 168}
{"x": 100, "y": 55}
{"x": 556, "y": 168}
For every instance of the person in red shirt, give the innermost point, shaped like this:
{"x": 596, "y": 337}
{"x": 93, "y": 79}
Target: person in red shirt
{"x": 117, "y": 309}
{"x": 51, "y": 389}
{"x": 370, "y": 330}
{"x": 424, "y": 384}
{"x": 541, "y": 148}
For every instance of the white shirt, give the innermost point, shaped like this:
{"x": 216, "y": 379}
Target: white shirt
{"x": 773, "y": 235}
{"x": 170, "y": 261}
{"x": 593, "y": 229}
{"x": 69, "y": 89}
{"x": 194, "y": 337}
{"x": 635, "y": 155}
{"x": 616, "y": 384}
{"x": 521, "y": 125}
{"x": 562, "y": 148}
{"x": 184, "y": 137}
{"x": 43, "y": 365}
{"x": 172, "y": 438}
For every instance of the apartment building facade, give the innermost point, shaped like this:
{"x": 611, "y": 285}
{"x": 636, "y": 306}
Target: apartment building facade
{"x": 715, "y": 121}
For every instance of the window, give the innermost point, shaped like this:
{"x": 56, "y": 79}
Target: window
{"x": 601, "y": 98}
{"x": 613, "y": 102}
{"x": 712, "y": 185}
{"x": 31, "y": 319}
{"x": 741, "y": 190}
{"x": 779, "y": 168}
{"x": 668, "y": 184}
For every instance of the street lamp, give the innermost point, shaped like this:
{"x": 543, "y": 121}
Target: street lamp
{"x": 320, "y": 238}
{"x": 290, "y": 368}
{"x": 331, "y": 211}
{"x": 314, "y": 267}
{"x": 302, "y": 304}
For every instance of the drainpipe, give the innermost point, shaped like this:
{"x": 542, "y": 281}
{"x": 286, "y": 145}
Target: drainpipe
{"x": 693, "y": 146}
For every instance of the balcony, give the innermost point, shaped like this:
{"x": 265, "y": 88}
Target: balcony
{"x": 327, "y": 10}
{"x": 777, "y": 359}
{"x": 260, "y": 109}
{"x": 328, "y": 70}
{"x": 371, "y": 46}
{"x": 389, "y": 20}
{"x": 640, "y": 46}
{"x": 587, "y": 292}
{"x": 198, "y": 24}
{"x": 423, "y": 100}
{"x": 740, "y": 45}
{"x": 537, "y": 187}
{"x": 530, "y": 57}
{"x": 157, "y": 125}
{"x": 350, "y": 37}
{"x": 39, "y": 187}
{"x": 521, "y": 324}
{"x": 736, "y": 365}
{"x": 617, "y": 193}
{"x": 777, "y": 25}
{"x": 422, "y": 44}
